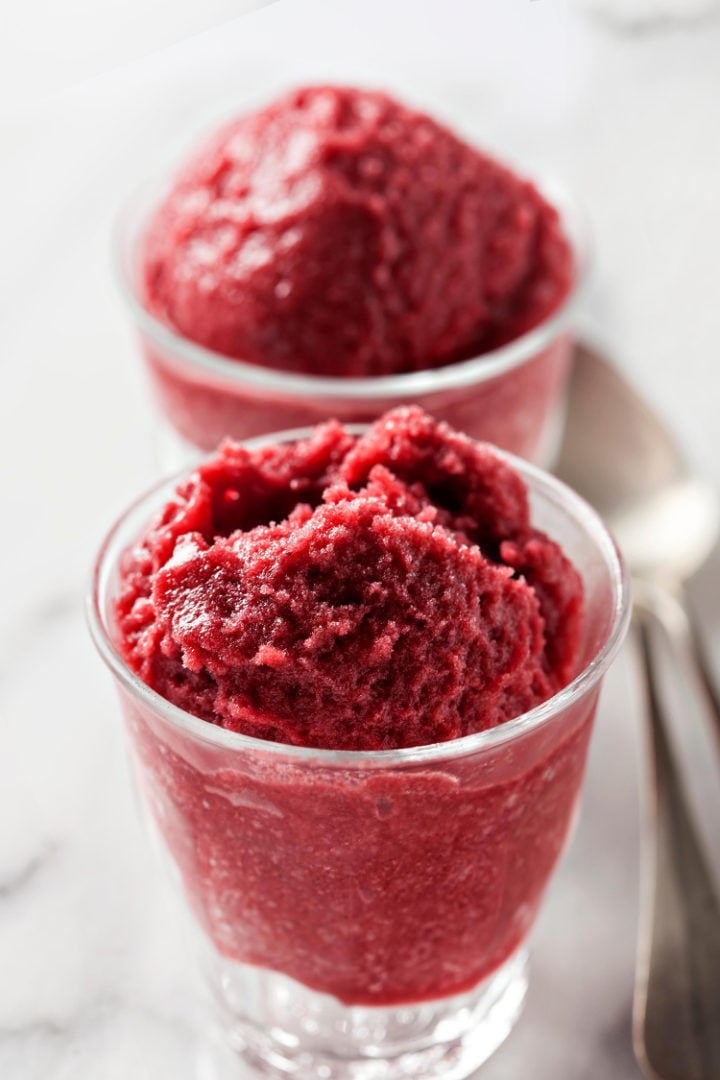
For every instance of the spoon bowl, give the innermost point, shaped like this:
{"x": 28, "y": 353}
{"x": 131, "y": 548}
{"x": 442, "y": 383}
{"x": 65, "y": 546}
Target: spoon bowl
{"x": 620, "y": 456}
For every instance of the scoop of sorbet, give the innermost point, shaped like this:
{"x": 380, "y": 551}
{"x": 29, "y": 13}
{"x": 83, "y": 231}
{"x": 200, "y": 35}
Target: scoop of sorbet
{"x": 337, "y": 232}
{"x": 351, "y": 593}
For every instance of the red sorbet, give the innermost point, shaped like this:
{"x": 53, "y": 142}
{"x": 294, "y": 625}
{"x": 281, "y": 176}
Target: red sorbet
{"x": 355, "y": 594}
{"x": 337, "y": 232}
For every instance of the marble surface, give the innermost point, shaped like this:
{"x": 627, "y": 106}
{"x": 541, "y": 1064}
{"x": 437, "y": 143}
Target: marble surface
{"x": 95, "y": 982}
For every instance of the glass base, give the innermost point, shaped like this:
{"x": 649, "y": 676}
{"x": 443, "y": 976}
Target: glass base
{"x": 280, "y": 1028}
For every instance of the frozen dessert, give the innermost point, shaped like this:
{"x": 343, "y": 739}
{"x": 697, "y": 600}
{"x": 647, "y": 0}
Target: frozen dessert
{"x": 357, "y": 593}
{"x": 352, "y": 593}
{"x": 338, "y": 232}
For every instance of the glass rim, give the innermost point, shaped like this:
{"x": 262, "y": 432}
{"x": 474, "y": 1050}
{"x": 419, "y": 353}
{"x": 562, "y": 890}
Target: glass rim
{"x": 128, "y": 229}
{"x": 116, "y": 541}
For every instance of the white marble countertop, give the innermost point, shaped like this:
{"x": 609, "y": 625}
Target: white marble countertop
{"x": 95, "y": 984}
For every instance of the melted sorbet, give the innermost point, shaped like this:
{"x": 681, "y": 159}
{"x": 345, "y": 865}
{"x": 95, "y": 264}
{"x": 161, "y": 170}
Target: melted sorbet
{"x": 337, "y": 232}
{"x": 352, "y": 593}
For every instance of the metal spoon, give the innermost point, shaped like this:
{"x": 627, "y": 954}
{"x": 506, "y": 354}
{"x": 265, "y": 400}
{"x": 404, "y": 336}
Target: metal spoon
{"x": 617, "y": 454}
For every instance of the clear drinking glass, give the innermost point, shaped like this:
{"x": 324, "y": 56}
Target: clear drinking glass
{"x": 512, "y": 396}
{"x": 365, "y": 915}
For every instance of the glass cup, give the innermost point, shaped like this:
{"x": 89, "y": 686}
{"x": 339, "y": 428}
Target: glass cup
{"x": 365, "y": 915}
{"x": 512, "y": 396}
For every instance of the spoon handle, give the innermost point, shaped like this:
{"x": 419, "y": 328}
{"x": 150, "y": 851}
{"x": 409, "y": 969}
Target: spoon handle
{"x": 676, "y": 1012}
{"x": 702, "y": 663}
